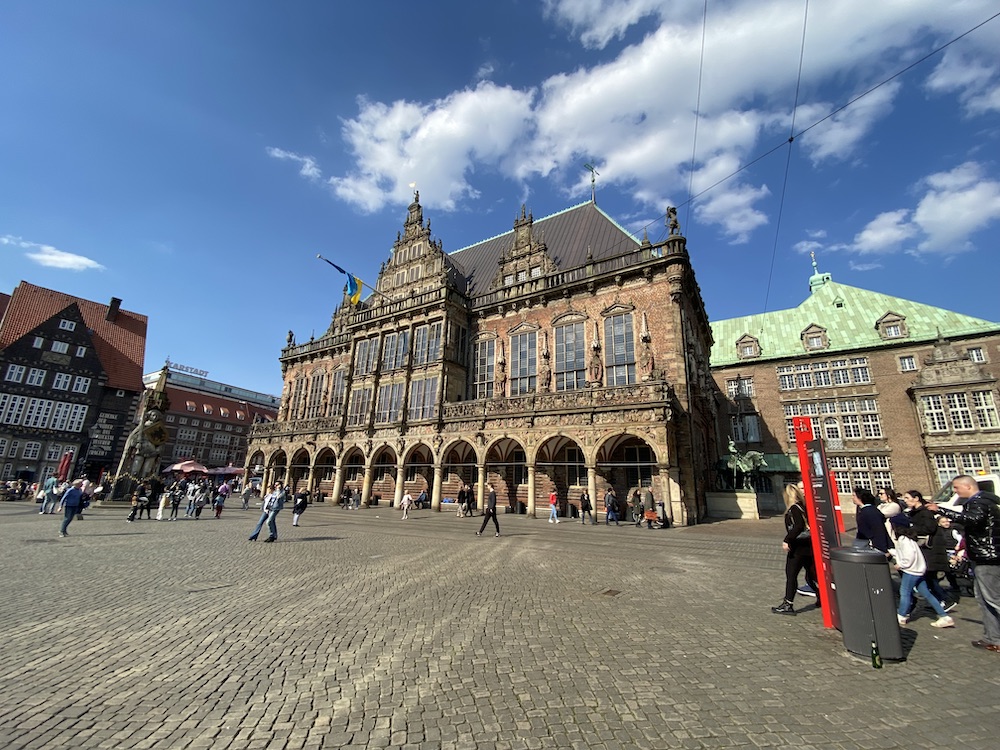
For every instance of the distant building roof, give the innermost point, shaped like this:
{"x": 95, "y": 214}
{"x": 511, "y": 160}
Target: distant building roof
{"x": 850, "y": 318}
{"x": 568, "y": 235}
{"x": 120, "y": 343}
{"x": 183, "y": 380}
{"x": 4, "y": 301}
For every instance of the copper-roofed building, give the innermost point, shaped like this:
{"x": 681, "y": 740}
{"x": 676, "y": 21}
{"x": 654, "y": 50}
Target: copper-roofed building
{"x": 904, "y": 394}
{"x": 71, "y": 379}
{"x": 564, "y": 354}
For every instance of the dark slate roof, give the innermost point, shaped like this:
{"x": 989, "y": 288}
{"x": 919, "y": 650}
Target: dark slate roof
{"x": 120, "y": 344}
{"x": 568, "y": 236}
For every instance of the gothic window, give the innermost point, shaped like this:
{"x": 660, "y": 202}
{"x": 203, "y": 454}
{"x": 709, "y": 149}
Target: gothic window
{"x": 360, "y": 403}
{"x": 571, "y": 365}
{"x": 523, "y": 363}
{"x": 394, "y": 350}
{"x": 337, "y": 391}
{"x": 390, "y": 398}
{"x": 619, "y": 350}
{"x": 484, "y": 368}
{"x": 423, "y": 398}
{"x": 426, "y": 343}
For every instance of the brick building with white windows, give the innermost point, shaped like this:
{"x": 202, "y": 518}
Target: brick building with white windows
{"x": 70, "y": 380}
{"x": 563, "y": 354}
{"x": 209, "y": 421}
{"x": 904, "y": 394}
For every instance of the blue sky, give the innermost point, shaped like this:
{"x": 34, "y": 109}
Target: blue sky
{"x": 193, "y": 158}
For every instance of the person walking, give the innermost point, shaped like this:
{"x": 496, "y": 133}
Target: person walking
{"x": 871, "y": 532}
{"x": 490, "y": 511}
{"x": 219, "y": 504}
{"x": 463, "y": 501}
{"x": 176, "y": 496}
{"x": 553, "y": 507}
{"x": 201, "y": 500}
{"x": 51, "y": 495}
{"x": 70, "y": 503}
{"x": 797, "y": 545}
{"x": 586, "y": 509}
{"x": 135, "y": 508}
{"x": 611, "y": 507}
{"x": 648, "y": 505}
{"x": 192, "y": 499}
{"x": 911, "y": 566}
{"x": 144, "y": 502}
{"x": 246, "y": 495}
{"x": 980, "y": 515}
{"x": 162, "y": 505}
{"x": 301, "y": 503}
{"x": 273, "y": 503}
{"x": 404, "y": 504}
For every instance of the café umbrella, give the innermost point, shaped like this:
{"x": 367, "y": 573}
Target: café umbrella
{"x": 187, "y": 467}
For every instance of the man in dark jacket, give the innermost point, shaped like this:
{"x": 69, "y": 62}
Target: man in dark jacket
{"x": 980, "y": 515}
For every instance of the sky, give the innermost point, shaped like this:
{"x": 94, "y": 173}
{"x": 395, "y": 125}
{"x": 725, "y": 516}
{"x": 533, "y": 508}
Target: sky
{"x": 193, "y": 158}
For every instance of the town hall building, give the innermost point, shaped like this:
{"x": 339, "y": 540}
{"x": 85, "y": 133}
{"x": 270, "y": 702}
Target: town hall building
{"x": 564, "y": 354}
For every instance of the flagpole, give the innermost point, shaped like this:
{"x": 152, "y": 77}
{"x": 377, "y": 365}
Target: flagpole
{"x": 374, "y": 290}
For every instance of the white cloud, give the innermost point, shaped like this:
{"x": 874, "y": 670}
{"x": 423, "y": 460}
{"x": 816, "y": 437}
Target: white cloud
{"x": 957, "y": 204}
{"x": 46, "y": 255}
{"x": 308, "y": 167}
{"x": 631, "y": 111}
{"x": 954, "y": 206}
{"x": 885, "y": 233}
{"x": 863, "y": 266}
{"x": 839, "y": 136}
{"x": 807, "y": 246}
{"x": 436, "y": 145}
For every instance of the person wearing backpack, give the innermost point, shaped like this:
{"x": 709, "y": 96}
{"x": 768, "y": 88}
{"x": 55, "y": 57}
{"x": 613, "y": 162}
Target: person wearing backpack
{"x": 798, "y": 549}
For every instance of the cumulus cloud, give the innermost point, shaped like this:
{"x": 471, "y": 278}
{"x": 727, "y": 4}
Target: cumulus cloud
{"x": 46, "y": 255}
{"x": 436, "y": 145}
{"x": 632, "y": 110}
{"x": 951, "y": 208}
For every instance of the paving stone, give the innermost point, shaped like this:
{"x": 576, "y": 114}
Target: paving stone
{"x": 364, "y": 632}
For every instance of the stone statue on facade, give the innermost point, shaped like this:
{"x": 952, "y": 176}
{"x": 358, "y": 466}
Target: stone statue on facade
{"x": 646, "y": 362}
{"x": 672, "y": 224}
{"x": 596, "y": 370}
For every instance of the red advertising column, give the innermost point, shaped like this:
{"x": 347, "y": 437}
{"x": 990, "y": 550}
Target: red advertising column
{"x": 823, "y": 511}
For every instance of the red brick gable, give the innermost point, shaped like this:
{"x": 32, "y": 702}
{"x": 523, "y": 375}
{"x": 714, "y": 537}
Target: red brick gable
{"x": 120, "y": 343}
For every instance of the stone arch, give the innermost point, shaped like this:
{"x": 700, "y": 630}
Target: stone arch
{"x": 459, "y": 461}
{"x": 277, "y": 468}
{"x": 383, "y": 475}
{"x": 507, "y": 471}
{"x": 353, "y": 462}
{"x": 324, "y": 474}
{"x": 560, "y": 465}
{"x": 418, "y": 470}
{"x": 627, "y": 462}
{"x": 298, "y": 469}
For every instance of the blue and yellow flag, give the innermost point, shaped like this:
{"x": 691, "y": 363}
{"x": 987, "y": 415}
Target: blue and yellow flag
{"x": 353, "y": 282}
{"x": 353, "y": 289}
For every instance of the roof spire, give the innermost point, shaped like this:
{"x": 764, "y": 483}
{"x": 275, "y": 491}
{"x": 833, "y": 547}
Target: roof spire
{"x": 817, "y": 279}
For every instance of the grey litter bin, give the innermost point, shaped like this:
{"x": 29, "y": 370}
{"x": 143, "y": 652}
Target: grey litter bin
{"x": 866, "y": 602}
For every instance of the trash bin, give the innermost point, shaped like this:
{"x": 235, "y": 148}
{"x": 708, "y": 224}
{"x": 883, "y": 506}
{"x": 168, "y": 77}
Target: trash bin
{"x": 866, "y": 602}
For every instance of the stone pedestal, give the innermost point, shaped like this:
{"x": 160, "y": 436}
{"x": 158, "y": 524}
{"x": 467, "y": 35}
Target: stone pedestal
{"x": 738, "y": 504}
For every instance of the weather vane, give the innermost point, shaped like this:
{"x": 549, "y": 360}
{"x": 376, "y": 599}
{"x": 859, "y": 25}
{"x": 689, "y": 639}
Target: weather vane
{"x": 593, "y": 181}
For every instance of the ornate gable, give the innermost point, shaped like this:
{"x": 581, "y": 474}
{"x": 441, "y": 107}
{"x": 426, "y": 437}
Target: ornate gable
{"x": 527, "y": 257}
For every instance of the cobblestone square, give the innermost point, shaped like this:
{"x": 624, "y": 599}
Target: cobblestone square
{"x": 361, "y": 630}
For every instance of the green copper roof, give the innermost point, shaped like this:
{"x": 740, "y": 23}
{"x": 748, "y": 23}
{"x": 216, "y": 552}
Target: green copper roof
{"x": 848, "y": 314}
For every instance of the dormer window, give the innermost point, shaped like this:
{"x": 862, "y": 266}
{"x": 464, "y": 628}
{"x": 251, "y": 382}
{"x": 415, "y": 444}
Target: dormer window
{"x": 814, "y": 338}
{"x": 747, "y": 347}
{"x": 892, "y": 326}
{"x": 67, "y": 325}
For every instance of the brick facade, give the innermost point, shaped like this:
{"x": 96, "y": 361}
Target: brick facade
{"x": 550, "y": 357}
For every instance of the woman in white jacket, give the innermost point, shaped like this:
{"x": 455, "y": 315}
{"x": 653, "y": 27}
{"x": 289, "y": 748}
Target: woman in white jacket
{"x": 911, "y": 565}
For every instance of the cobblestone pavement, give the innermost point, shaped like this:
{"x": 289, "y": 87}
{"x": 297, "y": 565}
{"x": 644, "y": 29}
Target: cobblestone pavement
{"x": 360, "y": 630}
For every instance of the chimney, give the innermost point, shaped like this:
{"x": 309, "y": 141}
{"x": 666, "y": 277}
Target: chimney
{"x": 113, "y": 309}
